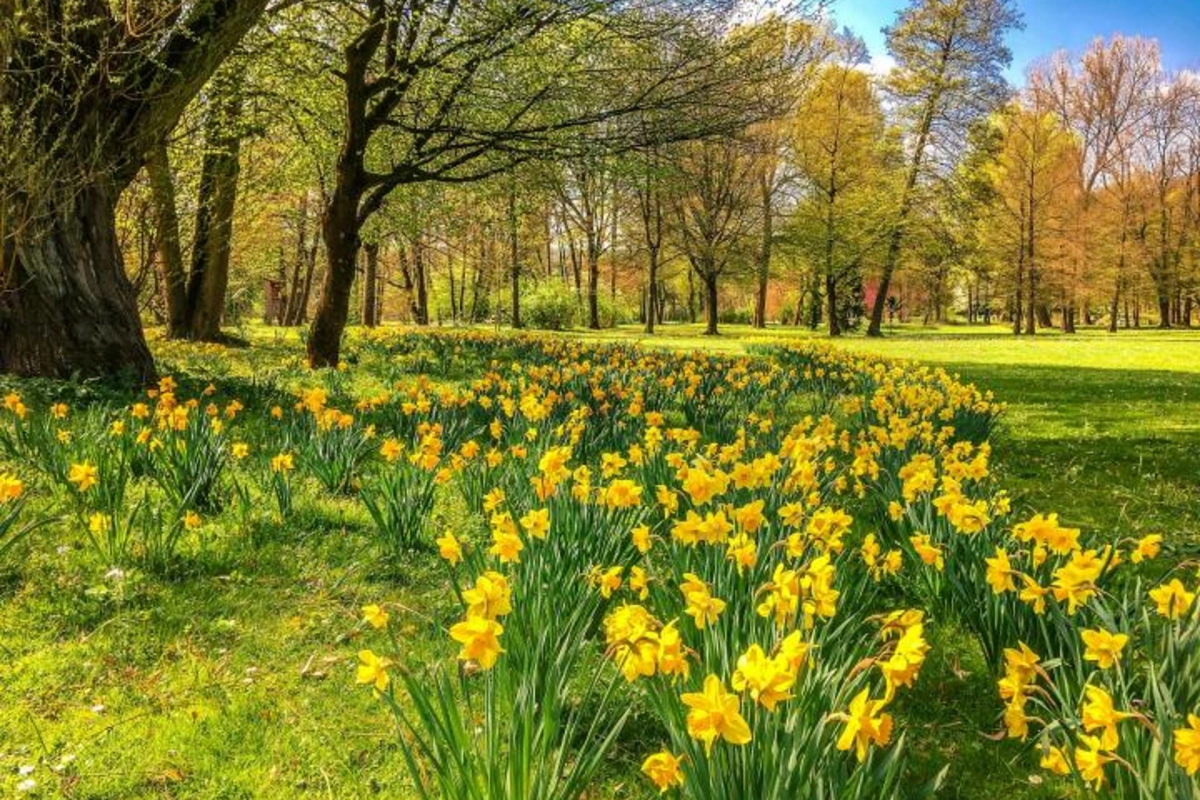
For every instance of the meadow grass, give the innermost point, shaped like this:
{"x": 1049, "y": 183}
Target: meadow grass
{"x": 233, "y": 679}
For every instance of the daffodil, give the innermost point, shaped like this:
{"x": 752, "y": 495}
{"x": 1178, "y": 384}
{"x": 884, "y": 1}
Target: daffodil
{"x": 865, "y": 724}
{"x": 714, "y": 714}
{"x": 1099, "y": 714}
{"x": 490, "y": 597}
{"x": 84, "y": 476}
{"x": 1103, "y": 647}
{"x": 480, "y": 638}
{"x": 768, "y": 680}
{"x": 1172, "y": 599}
{"x": 664, "y": 770}
{"x": 1187, "y": 745}
{"x": 449, "y": 548}
{"x": 372, "y": 670}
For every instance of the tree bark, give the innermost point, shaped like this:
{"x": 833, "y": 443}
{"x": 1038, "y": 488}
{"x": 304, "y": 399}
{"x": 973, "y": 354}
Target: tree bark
{"x": 514, "y": 255}
{"x": 211, "y": 249}
{"x": 421, "y": 280}
{"x": 593, "y": 290}
{"x": 370, "y": 284}
{"x": 710, "y": 305}
{"x": 767, "y": 190}
{"x": 340, "y": 229}
{"x": 652, "y": 301}
{"x": 67, "y": 308}
{"x": 835, "y": 325}
{"x": 170, "y": 249}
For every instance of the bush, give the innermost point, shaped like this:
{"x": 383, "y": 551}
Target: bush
{"x": 618, "y": 311}
{"x": 550, "y": 307}
{"x": 735, "y": 316}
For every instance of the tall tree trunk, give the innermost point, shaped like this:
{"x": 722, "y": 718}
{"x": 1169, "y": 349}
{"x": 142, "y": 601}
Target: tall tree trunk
{"x": 652, "y": 301}
{"x": 370, "y": 284}
{"x": 214, "y": 215}
{"x": 514, "y": 255}
{"x": 453, "y": 294}
{"x": 711, "y": 311}
{"x": 339, "y": 226}
{"x": 421, "y": 279}
{"x": 593, "y": 290}
{"x": 170, "y": 249}
{"x": 767, "y": 193}
{"x": 691, "y": 307}
{"x": 102, "y": 94}
{"x": 896, "y": 240}
{"x": 291, "y": 314}
{"x": 66, "y": 306}
{"x": 310, "y": 269}
{"x": 835, "y": 326}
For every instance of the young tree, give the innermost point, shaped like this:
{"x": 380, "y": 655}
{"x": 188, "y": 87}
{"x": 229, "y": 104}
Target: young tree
{"x": 950, "y": 57}
{"x": 715, "y": 213}
{"x": 85, "y": 96}
{"x": 841, "y": 156}
{"x": 1032, "y": 174}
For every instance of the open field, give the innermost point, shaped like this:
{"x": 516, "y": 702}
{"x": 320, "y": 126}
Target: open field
{"x": 231, "y": 675}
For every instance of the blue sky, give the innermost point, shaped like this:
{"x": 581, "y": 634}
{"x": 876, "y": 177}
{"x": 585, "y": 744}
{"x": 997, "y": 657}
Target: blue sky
{"x": 1056, "y": 24}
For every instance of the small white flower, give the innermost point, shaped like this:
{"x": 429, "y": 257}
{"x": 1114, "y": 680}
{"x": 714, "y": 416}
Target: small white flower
{"x": 115, "y": 574}
{"x": 27, "y": 785}
{"x": 26, "y": 769}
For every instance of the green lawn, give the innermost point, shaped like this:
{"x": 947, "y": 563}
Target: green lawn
{"x": 233, "y": 680}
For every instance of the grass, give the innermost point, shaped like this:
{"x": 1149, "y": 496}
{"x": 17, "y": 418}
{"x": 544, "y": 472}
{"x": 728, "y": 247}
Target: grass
{"x": 233, "y": 680}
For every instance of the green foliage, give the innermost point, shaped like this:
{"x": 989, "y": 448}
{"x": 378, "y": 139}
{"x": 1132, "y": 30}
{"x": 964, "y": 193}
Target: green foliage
{"x": 399, "y": 499}
{"x": 551, "y": 306}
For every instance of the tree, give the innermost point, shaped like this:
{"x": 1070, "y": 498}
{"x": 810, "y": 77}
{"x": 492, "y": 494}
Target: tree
{"x": 715, "y": 213}
{"x": 588, "y": 193}
{"x": 1032, "y": 173}
{"x": 1172, "y": 111}
{"x": 85, "y": 97}
{"x": 1103, "y": 100}
{"x": 841, "y": 154}
{"x": 799, "y": 49}
{"x": 950, "y": 56}
{"x": 438, "y": 91}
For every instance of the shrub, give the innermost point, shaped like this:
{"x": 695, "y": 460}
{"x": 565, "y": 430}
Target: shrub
{"x": 551, "y": 307}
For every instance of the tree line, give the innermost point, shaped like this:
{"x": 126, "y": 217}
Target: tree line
{"x": 325, "y": 163}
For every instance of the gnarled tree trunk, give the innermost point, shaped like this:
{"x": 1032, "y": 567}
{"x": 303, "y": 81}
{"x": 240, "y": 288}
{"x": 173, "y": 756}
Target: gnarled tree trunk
{"x": 66, "y": 307}
{"x": 88, "y": 122}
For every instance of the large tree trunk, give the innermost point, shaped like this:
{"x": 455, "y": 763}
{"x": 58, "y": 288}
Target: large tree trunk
{"x": 67, "y": 308}
{"x": 593, "y": 290}
{"x": 170, "y": 249}
{"x": 301, "y": 269}
{"x": 340, "y": 228}
{"x": 101, "y": 95}
{"x": 422, "y": 282}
